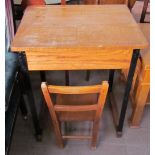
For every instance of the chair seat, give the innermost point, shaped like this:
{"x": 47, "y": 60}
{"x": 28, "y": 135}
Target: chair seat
{"x": 84, "y": 99}
{"x": 10, "y": 74}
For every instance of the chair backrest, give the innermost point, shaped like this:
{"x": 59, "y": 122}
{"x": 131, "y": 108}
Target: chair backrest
{"x": 70, "y": 90}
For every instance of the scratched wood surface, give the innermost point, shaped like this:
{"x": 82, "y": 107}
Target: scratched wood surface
{"x": 44, "y": 28}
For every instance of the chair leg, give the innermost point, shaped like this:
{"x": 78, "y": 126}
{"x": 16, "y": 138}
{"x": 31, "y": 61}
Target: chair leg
{"x": 94, "y": 134}
{"x": 87, "y": 75}
{"x": 57, "y": 129}
{"x": 23, "y": 108}
{"x": 140, "y": 100}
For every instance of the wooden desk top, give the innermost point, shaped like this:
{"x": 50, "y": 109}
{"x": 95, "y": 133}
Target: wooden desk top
{"x": 78, "y": 26}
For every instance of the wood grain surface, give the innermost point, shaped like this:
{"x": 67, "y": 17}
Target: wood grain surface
{"x": 76, "y": 59}
{"x": 145, "y": 53}
{"x": 45, "y": 28}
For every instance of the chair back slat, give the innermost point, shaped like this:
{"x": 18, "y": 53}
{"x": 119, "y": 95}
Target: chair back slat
{"x": 75, "y": 108}
{"x": 74, "y": 89}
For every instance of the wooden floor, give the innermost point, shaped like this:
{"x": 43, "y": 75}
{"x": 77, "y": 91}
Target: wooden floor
{"x": 133, "y": 142}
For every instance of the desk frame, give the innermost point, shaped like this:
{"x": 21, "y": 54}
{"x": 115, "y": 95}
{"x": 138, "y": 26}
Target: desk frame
{"x": 119, "y": 121}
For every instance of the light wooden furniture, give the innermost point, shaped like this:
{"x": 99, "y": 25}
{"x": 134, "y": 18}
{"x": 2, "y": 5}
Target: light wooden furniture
{"x": 64, "y": 38}
{"x": 141, "y": 81}
{"x": 83, "y": 35}
{"x": 26, "y": 3}
{"x": 129, "y": 3}
{"x": 76, "y": 103}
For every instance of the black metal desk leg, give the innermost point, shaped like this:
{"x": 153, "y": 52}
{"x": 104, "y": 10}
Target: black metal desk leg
{"x": 111, "y": 78}
{"x": 43, "y": 76}
{"x": 87, "y": 75}
{"x": 67, "y": 77}
{"x": 133, "y": 63}
{"x": 29, "y": 93}
{"x": 23, "y": 108}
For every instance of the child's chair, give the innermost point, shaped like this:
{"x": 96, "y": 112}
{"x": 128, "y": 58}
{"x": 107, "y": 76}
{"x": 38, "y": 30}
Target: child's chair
{"x": 75, "y": 103}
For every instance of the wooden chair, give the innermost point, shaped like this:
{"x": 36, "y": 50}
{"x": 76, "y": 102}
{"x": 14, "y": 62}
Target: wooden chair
{"x": 75, "y": 103}
{"x": 141, "y": 81}
{"x": 142, "y": 84}
{"x": 140, "y": 90}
